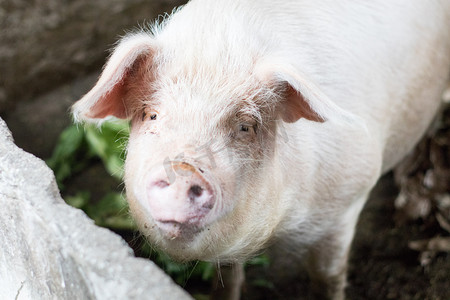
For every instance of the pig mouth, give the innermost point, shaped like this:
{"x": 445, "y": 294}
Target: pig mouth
{"x": 174, "y": 231}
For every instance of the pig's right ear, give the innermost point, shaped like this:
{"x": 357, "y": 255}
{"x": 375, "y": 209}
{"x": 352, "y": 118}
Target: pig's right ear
{"x": 300, "y": 97}
{"x": 108, "y": 97}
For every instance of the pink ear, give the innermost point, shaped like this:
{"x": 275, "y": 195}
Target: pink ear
{"x": 295, "y": 107}
{"x": 108, "y": 96}
{"x": 301, "y": 98}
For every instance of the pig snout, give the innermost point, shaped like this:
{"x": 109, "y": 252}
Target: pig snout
{"x": 179, "y": 204}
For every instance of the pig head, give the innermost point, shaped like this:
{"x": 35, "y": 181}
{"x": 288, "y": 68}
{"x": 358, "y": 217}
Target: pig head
{"x": 201, "y": 171}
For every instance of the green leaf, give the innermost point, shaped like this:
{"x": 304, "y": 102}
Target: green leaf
{"x": 112, "y": 212}
{"x": 64, "y": 155}
{"x": 80, "y": 200}
{"x": 97, "y": 143}
{"x": 261, "y": 282}
{"x": 69, "y": 142}
{"x": 108, "y": 143}
{"x": 260, "y": 260}
{"x": 199, "y": 296}
{"x": 207, "y": 270}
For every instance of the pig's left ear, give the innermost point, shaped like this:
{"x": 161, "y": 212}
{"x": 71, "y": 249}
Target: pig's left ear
{"x": 300, "y": 97}
{"x": 108, "y": 97}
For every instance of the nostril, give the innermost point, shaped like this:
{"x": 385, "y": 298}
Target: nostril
{"x": 161, "y": 184}
{"x": 195, "y": 192}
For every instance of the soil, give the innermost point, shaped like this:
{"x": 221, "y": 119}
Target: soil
{"x": 382, "y": 266}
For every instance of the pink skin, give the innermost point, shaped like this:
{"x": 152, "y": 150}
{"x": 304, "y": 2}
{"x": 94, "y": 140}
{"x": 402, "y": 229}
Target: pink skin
{"x": 180, "y": 197}
{"x": 179, "y": 208}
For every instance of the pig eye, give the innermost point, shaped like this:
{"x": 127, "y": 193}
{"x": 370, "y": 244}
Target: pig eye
{"x": 153, "y": 116}
{"x": 244, "y": 128}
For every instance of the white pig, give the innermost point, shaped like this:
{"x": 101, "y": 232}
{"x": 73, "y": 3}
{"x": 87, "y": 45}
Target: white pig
{"x": 269, "y": 122}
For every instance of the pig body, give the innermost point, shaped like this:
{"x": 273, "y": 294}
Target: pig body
{"x": 259, "y": 122}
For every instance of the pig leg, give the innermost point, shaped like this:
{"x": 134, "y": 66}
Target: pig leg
{"x": 327, "y": 282}
{"x": 228, "y": 282}
{"x": 327, "y": 259}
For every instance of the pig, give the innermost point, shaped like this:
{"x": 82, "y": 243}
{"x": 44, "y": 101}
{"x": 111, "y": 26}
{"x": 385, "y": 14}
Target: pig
{"x": 267, "y": 123}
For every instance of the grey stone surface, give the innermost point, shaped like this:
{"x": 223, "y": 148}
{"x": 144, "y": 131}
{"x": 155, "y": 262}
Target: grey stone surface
{"x": 44, "y": 43}
{"x": 36, "y": 124}
{"x": 49, "y": 250}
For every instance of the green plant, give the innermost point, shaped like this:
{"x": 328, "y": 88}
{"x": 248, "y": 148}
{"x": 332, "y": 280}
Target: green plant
{"x": 77, "y": 146}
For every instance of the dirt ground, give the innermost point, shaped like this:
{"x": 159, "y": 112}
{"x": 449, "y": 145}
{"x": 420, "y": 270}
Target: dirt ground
{"x": 382, "y": 266}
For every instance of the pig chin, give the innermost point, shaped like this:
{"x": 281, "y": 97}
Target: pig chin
{"x": 181, "y": 241}
{"x": 182, "y": 232}
{"x": 183, "y": 228}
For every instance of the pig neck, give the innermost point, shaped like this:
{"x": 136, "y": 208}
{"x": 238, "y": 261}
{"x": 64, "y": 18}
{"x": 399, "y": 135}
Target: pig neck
{"x": 321, "y": 153}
